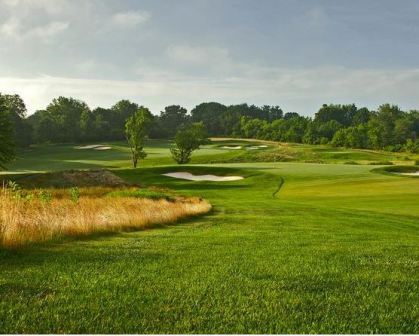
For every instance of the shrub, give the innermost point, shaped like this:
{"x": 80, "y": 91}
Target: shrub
{"x": 75, "y": 194}
{"x": 188, "y": 138}
{"x": 45, "y": 196}
{"x": 351, "y": 163}
{"x": 381, "y": 163}
{"x": 412, "y": 146}
{"x": 14, "y": 188}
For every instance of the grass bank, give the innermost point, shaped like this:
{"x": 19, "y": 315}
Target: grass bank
{"x": 45, "y": 214}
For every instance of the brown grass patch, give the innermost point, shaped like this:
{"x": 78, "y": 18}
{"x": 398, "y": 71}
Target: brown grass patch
{"x": 24, "y": 221}
{"x": 72, "y": 178}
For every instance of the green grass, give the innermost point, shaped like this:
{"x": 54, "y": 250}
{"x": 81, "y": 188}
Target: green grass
{"x": 398, "y": 169}
{"x": 43, "y": 158}
{"x": 336, "y": 251}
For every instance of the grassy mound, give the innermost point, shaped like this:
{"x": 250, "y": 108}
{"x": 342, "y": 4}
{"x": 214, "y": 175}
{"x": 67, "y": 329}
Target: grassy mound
{"x": 71, "y": 178}
{"x": 393, "y": 170}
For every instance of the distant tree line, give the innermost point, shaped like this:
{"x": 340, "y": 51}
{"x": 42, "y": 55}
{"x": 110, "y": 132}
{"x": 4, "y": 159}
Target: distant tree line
{"x": 71, "y": 120}
{"x": 388, "y": 128}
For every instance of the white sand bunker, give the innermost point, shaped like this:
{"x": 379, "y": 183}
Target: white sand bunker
{"x": 88, "y": 147}
{"x": 232, "y": 147}
{"x": 191, "y": 177}
{"x": 95, "y": 147}
{"x": 409, "y": 174}
{"x": 257, "y": 147}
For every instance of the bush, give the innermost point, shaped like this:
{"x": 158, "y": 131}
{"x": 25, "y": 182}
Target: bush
{"x": 351, "y": 163}
{"x": 381, "y": 163}
{"x": 75, "y": 194}
{"x": 324, "y": 141}
{"x": 188, "y": 138}
{"x": 398, "y": 169}
{"x": 394, "y": 148}
{"x": 412, "y": 146}
{"x": 45, "y": 196}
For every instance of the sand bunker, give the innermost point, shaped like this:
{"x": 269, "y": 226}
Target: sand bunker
{"x": 409, "y": 174}
{"x": 88, "y": 147}
{"x": 257, "y": 147}
{"x": 95, "y": 147}
{"x": 232, "y": 147}
{"x": 191, "y": 177}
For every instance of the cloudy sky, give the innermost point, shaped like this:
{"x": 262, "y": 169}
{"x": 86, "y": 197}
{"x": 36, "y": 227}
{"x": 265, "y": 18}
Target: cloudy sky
{"x": 296, "y": 54}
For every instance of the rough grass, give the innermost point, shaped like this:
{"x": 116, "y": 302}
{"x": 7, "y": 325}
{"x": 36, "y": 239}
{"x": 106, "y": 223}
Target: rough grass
{"x": 25, "y": 220}
{"x": 143, "y": 193}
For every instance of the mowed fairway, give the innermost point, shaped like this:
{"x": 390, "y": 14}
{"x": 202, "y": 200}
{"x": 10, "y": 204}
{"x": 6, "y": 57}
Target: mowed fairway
{"x": 336, "y": 251}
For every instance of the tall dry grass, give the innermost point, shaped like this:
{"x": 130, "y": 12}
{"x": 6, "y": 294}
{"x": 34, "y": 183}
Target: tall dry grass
{"x": 24, "y": 221}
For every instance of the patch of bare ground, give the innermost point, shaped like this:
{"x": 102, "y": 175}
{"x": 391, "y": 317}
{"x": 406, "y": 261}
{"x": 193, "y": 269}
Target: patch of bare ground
{"x": 72, "y": 178}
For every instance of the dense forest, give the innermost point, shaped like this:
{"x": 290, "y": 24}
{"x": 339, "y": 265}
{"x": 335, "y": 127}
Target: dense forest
{"x": 71, "y": 120}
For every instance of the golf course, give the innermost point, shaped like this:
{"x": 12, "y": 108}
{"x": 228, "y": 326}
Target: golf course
{"x": 311, "y": 239}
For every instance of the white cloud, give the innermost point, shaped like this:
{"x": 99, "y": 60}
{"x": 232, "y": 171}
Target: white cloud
{"x": 39, "y": 19}
{"x": 49, "y": 30}
{"x": 13, "y": 28}
{"x": 199, "y": 55}
{"x": 301, "y": 90}
{"x": 130, "y": 19}
{"x": 49, "y": 6}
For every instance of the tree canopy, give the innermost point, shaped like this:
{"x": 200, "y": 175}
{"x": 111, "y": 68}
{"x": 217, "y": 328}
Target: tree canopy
{"x": 68, "y": 120}
{"x": 136, "y": 130}
{"x": 188, "y": 139}
{"x": 7, "y": 145}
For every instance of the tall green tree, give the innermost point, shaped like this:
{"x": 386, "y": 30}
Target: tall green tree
{"x": 121, "y": 111}
{"x": 210, "y": 114}
{"x": 136, "y": 130}
{"x": 17, "y": 112}
{"x": 343, "y": 114}
{"x": 44, "y": 127}
{"x": 171, "y": 119}
{"x": 188, "y": 139}
{"x": 387, "y": 116}
{"x": 66, "y": 114}
{"x": 7, "y": 144}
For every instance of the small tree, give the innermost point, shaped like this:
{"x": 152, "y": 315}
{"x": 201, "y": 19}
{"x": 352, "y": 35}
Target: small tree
{"x": 188, "y": 138}
{"x": 136, "y": 129}
{"x": 7, "y": 144}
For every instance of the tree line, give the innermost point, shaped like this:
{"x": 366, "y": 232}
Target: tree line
{"x": 68, "y": 120}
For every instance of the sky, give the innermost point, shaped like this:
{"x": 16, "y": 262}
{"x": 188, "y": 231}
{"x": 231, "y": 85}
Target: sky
{"x": 295, "y": 54}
